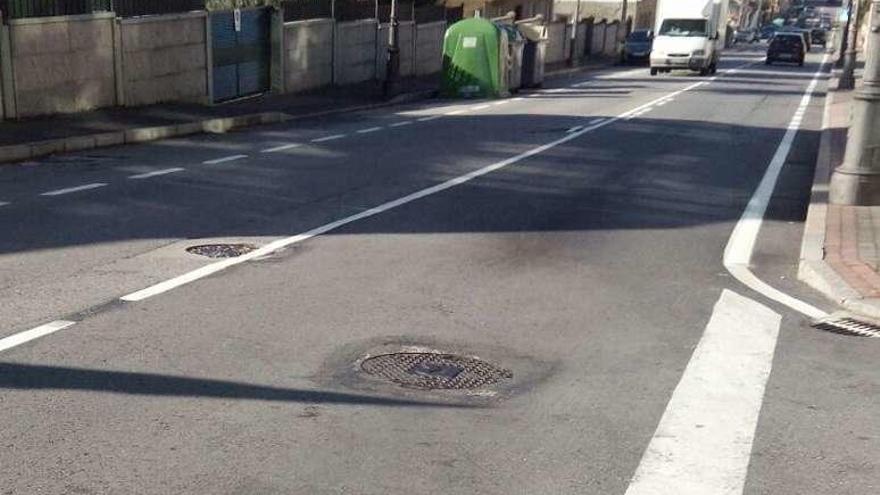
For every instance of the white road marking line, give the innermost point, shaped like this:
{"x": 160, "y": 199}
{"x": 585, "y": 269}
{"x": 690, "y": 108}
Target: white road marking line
{"x": 270, "y": 248}
{"x": 518, "y": 98}
{"x": 704, "y": 440}
{"x": 409, "y": 122}
{"x": 661, "y": 103}
{"x": 741, "y": 245}
{"x": 575, "y": 129}
{"x": 480, "y": 107}
{"x": 328, "y": 138}
{"x": 596, "y": 121}
{"x": 369, "y": 130}
{"x": 5, "y": 203}
{"x": 34, "y": 333}
{"x": 456, "y": 112}
{"x": 224, "y": 159}
{"x": 501, "y": 102}
{"x": 85, "y": 187}
{"x": 157, "y": 173}
{"x": 281, "y": 148}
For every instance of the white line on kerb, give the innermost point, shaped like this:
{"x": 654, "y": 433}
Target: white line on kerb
{"x": 481, "y": 107}
{"x": 281, "y": 148}
{"x": 224, "y": 159}
{"x": 704, "y": 440}
{"x": 270, "y": 248}
{"x": 501, "y": 102}
{"x": 68, "y": 190}
{"x": 33, "y": 333}
{"x": 409, "y": 122}
{"x": 157, "y": 173}
{"x": 738, "y": 253}
{"x": 328, "y": 138}
{"x": 369, "y": 130}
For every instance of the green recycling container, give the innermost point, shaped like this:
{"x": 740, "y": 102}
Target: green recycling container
{"x": 472, "y": 60}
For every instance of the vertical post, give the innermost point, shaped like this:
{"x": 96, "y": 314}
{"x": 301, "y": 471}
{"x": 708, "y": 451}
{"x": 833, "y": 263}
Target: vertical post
{"x": 845, "y": 35}
{"x": 621, "y": 30}
{"x": 847, "y": 78}
{"x": 572, "y": 58}
{"x": 857, "y": 180}
{"x": 392, "y": 68}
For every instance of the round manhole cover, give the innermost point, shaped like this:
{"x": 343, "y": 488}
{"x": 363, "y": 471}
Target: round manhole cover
{"x": 221, "y": 250}
{"x": 425, "y": 370}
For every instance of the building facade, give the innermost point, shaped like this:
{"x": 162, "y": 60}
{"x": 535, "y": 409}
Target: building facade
{"x": 496, "y": 8}
{"x": 640, "y": 11}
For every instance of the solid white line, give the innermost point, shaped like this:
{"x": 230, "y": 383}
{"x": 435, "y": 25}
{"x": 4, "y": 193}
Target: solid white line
{"x": 59, "y": 192}
{"x": 328, "y": 138}
{"x": 409, "y": 122}
{"x": 281, "y": 148}
{"x": 34, "y": 333}
{"x": 5, "y": 203}
{"x": 157, "y": 173}
{"x": 501, "y": 102}
{"x": 456, "y": 112}
{"x": 480, "y": 107}
{"x": 224, "y": 159}
{"x": 270, "y": 248}
{"x": 369, "y": 130}
{"x": 575, "y": 129}
{"x": 596, "y": 121}
{"x": 741, "y": 245}
{"x": 704, "y": 440}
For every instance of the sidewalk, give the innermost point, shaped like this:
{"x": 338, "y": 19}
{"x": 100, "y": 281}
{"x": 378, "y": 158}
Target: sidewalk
{"x": 31, "y": 138}
{"x": 840, "y": 255}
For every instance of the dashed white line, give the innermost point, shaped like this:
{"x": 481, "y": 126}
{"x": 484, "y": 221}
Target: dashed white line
{"x": 574, "y": 129}
{"x": 224, "y": 159}
{"x": 34, "y": 333}
{"x": 456, "y": 112}
{"x": 480, "y": 107}
{"x": 5, "y": 203}
{"x": 270, "y": 248}
{"x": 596, "y": 121}
{"x": 369, "y": 130}
{"x": 283, "y": 147}
{"x": 68, "y": 190}
{"x": 409, "y": 122}
{"x": 328, "y": 138}
{"x": 156, "y": 173}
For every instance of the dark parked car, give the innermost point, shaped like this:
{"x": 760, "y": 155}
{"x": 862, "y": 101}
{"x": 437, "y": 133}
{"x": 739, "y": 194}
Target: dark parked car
{"x": 818, "y": 37}
{"x": 787, "y": 47}
{"x": 638, "y": 46}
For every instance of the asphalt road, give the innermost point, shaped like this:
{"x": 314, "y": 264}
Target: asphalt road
{"x": 586, "y": 260}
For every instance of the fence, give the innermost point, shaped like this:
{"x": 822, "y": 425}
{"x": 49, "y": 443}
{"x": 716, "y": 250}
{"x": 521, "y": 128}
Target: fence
{"x": 134, "y": 8}
{"x": 297, "y": 10}
{"x": 17, "y": 9}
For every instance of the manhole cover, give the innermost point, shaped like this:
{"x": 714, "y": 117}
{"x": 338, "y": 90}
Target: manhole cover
{"x": 221, "y": 250}
{"x": 848, "y": 326}
{"x": 425, "y": 370}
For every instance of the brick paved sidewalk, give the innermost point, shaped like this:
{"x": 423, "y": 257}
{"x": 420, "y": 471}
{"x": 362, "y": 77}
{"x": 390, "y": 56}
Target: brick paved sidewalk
{"x": 841, "y": 251}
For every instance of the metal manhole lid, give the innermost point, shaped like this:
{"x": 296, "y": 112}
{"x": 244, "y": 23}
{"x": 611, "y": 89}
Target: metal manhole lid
{"x": 426, "y": 370}
{"x": 221, "y": 250}
{"x": 848, "y": 326}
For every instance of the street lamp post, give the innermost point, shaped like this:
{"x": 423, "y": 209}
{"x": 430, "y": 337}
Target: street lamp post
{"x": 572, "y": 56}
{"x": 392, "y": 68}
{"x": 621, "y": 29}
{"x": 847, "y": 77}
{"x": 845, "y": 35}
{"x": 857, "y": 180}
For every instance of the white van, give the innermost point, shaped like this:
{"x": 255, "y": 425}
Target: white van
{"x": 688, "y": 35}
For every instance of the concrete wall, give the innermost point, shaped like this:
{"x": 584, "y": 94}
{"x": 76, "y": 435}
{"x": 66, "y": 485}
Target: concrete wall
{"x": 407, "y": 33}
{"x": 557, "y": 43}
{"x": 355, "y": 51}
{"x": 62, "y": 64}
{"x": 611, "y": 39}
{"x": 164, "y": 58}
{"x": 308, "y": 54}
{"x": 640, "y": 10}
{"x": 598, "y": 45}
{"x": 429, "y": 48}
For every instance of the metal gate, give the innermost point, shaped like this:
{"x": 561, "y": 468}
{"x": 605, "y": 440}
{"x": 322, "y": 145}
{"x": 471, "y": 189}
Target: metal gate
{"x": 242, "y": 52}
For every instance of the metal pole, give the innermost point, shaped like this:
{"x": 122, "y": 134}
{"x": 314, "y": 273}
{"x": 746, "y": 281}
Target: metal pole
{"x": 392, "y": 68}
{"x": 621, "y": 30}
{"x": 845, "y": 35}
{"x": 857, "y": 180}
{"x": 847, "y": 77}
{"x": 572, "y": 57}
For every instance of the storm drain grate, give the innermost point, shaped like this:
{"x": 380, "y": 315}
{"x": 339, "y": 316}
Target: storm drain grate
{"x": 425, "y": 370}
{"x": 848, "y": 326}
{"x": 221, "y": 250}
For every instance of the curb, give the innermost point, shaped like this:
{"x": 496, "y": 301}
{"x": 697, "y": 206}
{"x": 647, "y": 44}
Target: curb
{"x": 21, "y": 152}
{"x": 813, "y": 269}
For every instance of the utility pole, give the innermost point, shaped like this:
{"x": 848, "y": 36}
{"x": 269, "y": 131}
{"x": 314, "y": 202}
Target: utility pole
{"x": 621, "y": 29}
{"x": 847, "y": 77}
{"x": 857, "y": 180}
{"x": 392, "y": 68}
{"x": 572, "y": 57}
{"x": 845, "y": 35}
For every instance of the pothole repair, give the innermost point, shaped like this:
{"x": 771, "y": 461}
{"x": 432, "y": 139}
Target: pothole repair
{"x": 433, "y": 371}
{"x": 221, "y": 250}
